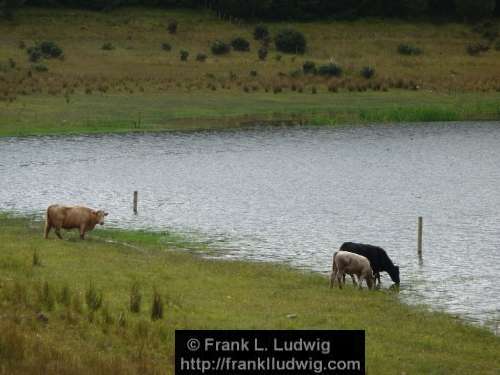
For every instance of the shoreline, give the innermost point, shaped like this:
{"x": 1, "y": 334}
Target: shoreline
{"x": 200, "y": 293}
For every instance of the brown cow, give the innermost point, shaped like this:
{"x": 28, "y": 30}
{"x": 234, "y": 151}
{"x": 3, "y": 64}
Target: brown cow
{"x": 66, "y": 217}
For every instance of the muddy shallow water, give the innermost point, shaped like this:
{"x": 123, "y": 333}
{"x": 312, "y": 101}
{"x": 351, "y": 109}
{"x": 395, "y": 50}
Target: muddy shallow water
{"x": 294, "y": 195}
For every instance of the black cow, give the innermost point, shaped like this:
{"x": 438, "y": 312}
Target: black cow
{"x": 379, "y": 260}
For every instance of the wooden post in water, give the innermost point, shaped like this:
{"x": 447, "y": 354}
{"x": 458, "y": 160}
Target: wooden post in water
{"x": 419, "y": 237}
{"x": 135, "y": 202}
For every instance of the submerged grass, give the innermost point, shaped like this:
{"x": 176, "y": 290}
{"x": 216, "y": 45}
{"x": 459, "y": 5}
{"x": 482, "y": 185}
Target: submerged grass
{"x": 195, "y": 293}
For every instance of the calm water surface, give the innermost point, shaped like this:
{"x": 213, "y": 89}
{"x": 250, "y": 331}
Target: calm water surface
{"x": 294, "y": 195}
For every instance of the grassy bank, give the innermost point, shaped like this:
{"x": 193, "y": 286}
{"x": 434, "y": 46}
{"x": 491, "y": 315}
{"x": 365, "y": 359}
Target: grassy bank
{"x": 40, "y": 115}
{"x": 197, "y": 293}
{"x": 135, "y": 84}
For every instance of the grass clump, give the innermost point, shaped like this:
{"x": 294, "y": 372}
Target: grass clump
{"x": 157, "y": 307}
{"x": 309, "y": 67}
{"x": 93, "y": 298}
{"x": 166, "y": 47}
{"x": 201, "y": 57}
{"x": 290, "y": 41}
{"x": 409, "y": 50}
{"x": 40, "y": 68}
{"x": 184, "y": 55}
{"x": 135, "y": 299}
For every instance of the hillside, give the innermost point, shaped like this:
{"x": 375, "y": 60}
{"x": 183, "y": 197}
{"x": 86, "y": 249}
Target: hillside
{"x": 115, "y": 72}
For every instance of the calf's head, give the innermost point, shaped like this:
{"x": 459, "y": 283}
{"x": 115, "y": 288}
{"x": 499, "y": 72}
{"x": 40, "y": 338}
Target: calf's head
{"x": 100, "y": 215}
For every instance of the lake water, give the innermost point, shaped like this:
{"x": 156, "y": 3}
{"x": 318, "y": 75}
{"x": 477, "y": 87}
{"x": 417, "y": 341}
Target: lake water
{"x": 294, "y": 194}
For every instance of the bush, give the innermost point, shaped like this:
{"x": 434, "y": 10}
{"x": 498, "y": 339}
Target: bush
{"x": 309, "y": 67}
{"x": 184, "y": 55}
{"x": 40, "y": 68}
{"x": 50, "y": 49}
{"x": 260, "y": 32}
{"x": 476, "y": 48}
{"x": 474, "y": 9}
{"x": 240, "y": 44}
{"x": 201, "y": 57}
{"x": 107, "y": 46}
{"x": 409, "y": 50}
{"x": 172, "y": 26}
{"x": 262, "y": 53}
{"x": 290, "y": 41}
{"x": 166, "y": 47}
{"x": 34, "y": 54}
{"x": 220, "y": 48}
{"x": 253, "y": 73}
{"x": 367, "y": 72}
{"x": 330, "y": 70}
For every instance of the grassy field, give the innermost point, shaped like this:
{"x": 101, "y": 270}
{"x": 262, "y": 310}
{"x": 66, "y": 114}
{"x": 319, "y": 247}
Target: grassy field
{"x": 197, "y": 294}
{"x": 138, "y": 85}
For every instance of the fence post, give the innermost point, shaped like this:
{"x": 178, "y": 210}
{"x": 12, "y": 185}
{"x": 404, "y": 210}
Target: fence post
{"x": 419, "y": 236}
{"x": 135, "y": 202}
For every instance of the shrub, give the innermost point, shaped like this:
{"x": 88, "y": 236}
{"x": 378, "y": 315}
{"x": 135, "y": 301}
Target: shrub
{"x": 93, "y": 298}
{"x": 220, "y": 48}
{"x": 262, "y": 53}
{"x": 330, "y": 70}
{"x": 367, "y": 72}
{"x": 309, "y": 67}
{"x": 184, "y": 55}
{"x": 476, "y": 48}
{"x": 135, "y": 299}
{"x": 290, "y": 41}
{"x": 260, "y": 32}
{"x": 172, "y": 26}
{"x": 253, "y": 73}
{"x": 166, "y": 47}
{"x": 409, "y": 50}
{"x": 107, "y": 46}
{"x": 40, "y": 68}
{"x": 157, "y": 308}
{"x": 201, "y": 57}
{"x": 240, "y": 44}
{"x": 50, "y": 49}
{"x": 295, "y": 73}
{"x": 473, "y": 9}
{"x": 34, "y": 54}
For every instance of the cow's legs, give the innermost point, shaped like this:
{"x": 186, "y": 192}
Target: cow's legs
{"x": 353, "y": 280}
{"x": 340, "y": 278}
{"x": 82, "y": 232}
{"x": 47, "y": 230}
{"x": 58, "y": 233}
{"x": 377, "y": 277}
{"x": 333, "y": 275}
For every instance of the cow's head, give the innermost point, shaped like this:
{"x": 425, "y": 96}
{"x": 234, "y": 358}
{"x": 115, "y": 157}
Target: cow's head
{"x": 100, "y": 216}
{"x": 395, "y": 274}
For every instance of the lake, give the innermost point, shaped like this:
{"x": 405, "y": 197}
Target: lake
{"x": 294, "y": 195}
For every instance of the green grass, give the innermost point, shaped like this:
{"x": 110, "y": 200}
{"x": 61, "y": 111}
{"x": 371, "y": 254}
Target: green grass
{"x": 40, "y": 115}
{"x": 198, "y": 294}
